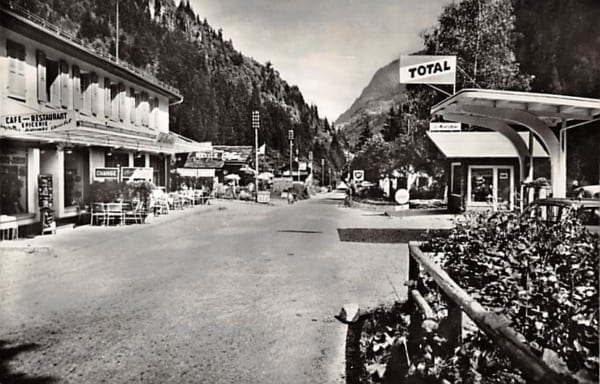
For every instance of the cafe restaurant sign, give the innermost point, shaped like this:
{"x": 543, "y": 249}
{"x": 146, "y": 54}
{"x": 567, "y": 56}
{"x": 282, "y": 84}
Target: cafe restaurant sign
{"x": 37, "y": 122}
{"x": 427, "y": 69}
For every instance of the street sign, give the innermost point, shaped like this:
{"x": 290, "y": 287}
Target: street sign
{"x": 427, "y": 69}
{"x": 444, "y": 127}
{"x": 401, "y": 196}
{"x": 358, "y": 175}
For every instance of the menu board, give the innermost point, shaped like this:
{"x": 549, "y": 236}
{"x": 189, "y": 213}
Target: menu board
{"x": 45, "y": 191}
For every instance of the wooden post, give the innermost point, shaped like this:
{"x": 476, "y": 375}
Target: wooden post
{"x": 494, "y": 326}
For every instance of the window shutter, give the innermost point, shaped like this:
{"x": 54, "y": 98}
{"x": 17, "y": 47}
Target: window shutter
{"x": 16, "y": 69}
{"x": 107, "y": 99}
{"x": 122, "y": 102}
{"x": 145, "y": 109}
{"x": 42, "y": 94}
{"x": 94, "y": 94}
{"x": 77, "y": 95}
{"x": 64, "y": 84}
{"x": 132, "y": 105}
{"x": 156, "y": 112}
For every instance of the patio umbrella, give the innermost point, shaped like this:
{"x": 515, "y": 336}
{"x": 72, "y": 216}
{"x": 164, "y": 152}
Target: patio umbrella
{"x": 265, "y": 176}
{"x": 232, "y": 176}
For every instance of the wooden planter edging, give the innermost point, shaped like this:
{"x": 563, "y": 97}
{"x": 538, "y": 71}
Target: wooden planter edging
{"x": 494, "y": 326}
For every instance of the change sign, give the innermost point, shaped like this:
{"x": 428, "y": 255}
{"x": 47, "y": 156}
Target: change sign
{"x": 427, "y": 69}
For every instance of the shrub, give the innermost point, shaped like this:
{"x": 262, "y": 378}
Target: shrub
{"x": 544, "y": 277}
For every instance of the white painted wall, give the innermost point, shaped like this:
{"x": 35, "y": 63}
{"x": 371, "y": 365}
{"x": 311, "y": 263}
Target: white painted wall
{"x": 31, "y": 104}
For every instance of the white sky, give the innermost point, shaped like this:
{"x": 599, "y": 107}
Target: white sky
{"x": 329, "y": 48}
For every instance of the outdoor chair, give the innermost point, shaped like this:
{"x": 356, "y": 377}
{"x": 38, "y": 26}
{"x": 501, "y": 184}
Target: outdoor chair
{"x": 114, "y": 211}
{"x": 175, "y": 201}
{"x": 98, "y": 212}
{"x": 134, "y": 214}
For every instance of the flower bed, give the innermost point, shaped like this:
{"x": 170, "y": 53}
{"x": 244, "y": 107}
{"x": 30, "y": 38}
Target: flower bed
{"x": 543, "y": 278}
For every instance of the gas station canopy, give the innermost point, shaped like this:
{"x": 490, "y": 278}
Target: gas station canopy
{"x": 547, "y": 116}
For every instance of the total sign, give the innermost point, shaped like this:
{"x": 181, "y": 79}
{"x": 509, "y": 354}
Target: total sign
{"x": 427, "y": 69}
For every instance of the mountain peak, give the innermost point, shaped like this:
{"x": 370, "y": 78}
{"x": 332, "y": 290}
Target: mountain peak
{"x": 383, "y": 91}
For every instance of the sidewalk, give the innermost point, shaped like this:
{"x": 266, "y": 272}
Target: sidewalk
{"x": 73, "y": 236}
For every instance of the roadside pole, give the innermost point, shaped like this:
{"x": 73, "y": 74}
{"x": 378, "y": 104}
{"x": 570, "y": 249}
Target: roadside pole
{"x": 291, "y": 137}
{"x": 256, "y": 124}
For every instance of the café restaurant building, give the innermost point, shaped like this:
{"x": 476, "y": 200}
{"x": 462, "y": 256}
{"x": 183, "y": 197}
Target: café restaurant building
{"x": 77, "y": 115}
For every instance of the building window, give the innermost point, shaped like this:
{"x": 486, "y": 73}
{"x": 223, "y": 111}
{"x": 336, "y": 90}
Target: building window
{"x": 52, "y": 82}
{"x": 122, "y": 101}
{"x": 13, "y": 181}
{"x": 77, "y": 94}
{"x": 156, "y": 113}
{"x": 64, "y": 84}
{"x": 86, "y": 92}
{"x": 42, "y": 92}
{"x": 114, "y": 159}
{"x": 138, "y": 108}
{"x": 107, "y": 99}
{"x": 491, "y": 186}
{"x": 132, "y": 105}
{"x": 74, "y": 168}
{"x": 94, "y": 99}
{"x": 145, "y": 109}
{"x": 114, "y": 101}
{"x": 16, "y": 70}
{"x": 482, "y": 184}
{"x": 158, "y": 165}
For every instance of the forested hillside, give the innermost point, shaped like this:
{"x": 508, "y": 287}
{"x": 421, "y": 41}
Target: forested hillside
{"x": 538, "y": 46}
{"x": 221, "y": 86}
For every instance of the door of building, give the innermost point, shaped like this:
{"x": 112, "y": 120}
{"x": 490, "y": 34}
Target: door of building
{"x": 491, "y": 187}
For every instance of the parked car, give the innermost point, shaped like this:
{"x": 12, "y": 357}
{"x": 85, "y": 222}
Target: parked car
{"x": 588, "y": 191}
{"x": 556, "y": 209}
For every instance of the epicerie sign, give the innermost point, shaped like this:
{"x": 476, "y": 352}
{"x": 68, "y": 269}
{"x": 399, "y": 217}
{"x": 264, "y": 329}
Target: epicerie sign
{"x": 427, "y": 69}
{"x": 37, "y": 122}
{"x": 444, "y": 127}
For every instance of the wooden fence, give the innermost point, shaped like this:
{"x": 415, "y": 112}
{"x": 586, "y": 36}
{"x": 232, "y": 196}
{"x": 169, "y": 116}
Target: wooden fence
{"x": 493, "y": 325}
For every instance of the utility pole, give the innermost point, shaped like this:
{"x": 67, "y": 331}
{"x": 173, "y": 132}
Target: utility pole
{"x": 310, "y": 160}
{"x": 256, "y": 125}
{"x": 298, "y": 161}
{"x": 117, "y": 42}
{"x": 322, "y": 172}
{"x": 291, "y": 137}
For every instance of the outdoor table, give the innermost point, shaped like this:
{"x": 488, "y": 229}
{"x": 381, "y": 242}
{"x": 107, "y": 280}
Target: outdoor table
{"x": 8, "y": 224}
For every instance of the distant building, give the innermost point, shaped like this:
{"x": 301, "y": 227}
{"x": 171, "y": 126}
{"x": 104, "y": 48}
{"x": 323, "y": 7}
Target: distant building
{"x": 483, "y": 168}
{"x": 76, "y": 115}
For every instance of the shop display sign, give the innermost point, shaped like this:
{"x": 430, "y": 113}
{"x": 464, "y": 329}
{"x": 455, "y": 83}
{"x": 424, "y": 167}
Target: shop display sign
{"x": 37, "y": 122}
{"x": 101, "y": 174}
{"x": 427, "y": 69}
{"x": 136, "y": 173}
{"x": 444, "y": 127}
{"x": 45, "y": 192}
{"x": 264, "y": 196}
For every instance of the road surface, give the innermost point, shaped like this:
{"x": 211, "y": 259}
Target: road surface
{"x": 244, "y": 294}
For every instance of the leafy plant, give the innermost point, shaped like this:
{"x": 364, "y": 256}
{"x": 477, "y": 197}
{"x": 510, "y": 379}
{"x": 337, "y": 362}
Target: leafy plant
{"x": 544, "y": 277}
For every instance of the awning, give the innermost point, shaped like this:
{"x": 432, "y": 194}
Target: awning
{"x": 196, "y": 172}
{"x": 548, "y": 117}
{"x": 460, "y": 145}
{"x": 86, "y": 132}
